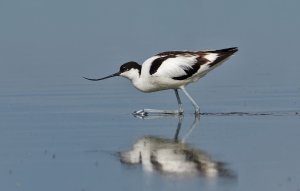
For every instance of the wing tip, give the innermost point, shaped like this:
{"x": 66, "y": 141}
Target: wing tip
{"x": 231, "y": 50}
{"x": 222, "y": 55}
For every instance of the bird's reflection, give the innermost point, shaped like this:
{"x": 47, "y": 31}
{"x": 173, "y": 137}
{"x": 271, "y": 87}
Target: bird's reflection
{"x": 173, "y": 156}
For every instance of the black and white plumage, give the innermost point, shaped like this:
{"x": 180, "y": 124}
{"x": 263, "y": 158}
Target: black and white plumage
{"x": 172, "y": 70}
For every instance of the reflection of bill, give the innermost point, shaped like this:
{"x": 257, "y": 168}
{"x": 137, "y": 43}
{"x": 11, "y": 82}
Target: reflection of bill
{"x": 172, "y": 157}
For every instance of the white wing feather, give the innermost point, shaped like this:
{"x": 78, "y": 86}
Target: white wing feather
{"x": 174, "y": 67}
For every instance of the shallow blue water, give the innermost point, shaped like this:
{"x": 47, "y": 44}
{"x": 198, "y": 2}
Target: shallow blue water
{"x": 61, "y": 132}
{"x": 68, "y": 137}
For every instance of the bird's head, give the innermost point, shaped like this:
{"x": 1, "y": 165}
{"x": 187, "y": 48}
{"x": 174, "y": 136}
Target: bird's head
{"x": 130, "y": 70}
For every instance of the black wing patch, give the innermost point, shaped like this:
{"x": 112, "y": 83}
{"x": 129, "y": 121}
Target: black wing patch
{"x": 164, "y": 56}
{"x": 191, "y": 71}
{"x": 174, "y": 53}
{"x": 222, "y": 54}
{"x": 157, "y": 62}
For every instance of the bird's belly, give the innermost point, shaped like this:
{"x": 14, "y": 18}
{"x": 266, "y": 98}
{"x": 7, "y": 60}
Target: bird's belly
{"x": 153, "y": 84}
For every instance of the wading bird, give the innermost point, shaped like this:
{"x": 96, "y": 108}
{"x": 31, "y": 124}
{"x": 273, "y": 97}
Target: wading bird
{"x": 172, "y": 70}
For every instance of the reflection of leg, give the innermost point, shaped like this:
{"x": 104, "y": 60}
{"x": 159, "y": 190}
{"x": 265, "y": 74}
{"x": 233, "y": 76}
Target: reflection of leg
{"x": 146, "y": 112}
{"x": 180, "y": 109}
{"x": 178, "y": 127}
{"x": 194, "y": 124}
{"x": 197, "y": 108}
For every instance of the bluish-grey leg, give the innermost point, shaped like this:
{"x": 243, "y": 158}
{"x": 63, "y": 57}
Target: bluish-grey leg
{"x": 180, "y": 109}
{"x": 197, "y": 108}
{"x": 147, "y": 112}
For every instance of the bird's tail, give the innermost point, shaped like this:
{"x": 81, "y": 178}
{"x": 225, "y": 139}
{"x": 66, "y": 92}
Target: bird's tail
{"x": 225, "y": 50}
{"x": 221, "y": 55}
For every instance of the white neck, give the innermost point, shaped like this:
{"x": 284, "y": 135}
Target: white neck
{"x": 132, "y": 74}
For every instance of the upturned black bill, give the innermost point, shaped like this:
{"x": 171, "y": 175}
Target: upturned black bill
{"x": 110, "y": 76}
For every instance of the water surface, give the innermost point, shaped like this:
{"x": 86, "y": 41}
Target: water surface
{"x": 61, "y": 132}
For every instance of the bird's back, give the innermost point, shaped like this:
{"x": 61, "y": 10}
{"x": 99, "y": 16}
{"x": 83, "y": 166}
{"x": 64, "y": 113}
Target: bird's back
{"x": 180, "y": 65}
{"x": 172, "y": 69}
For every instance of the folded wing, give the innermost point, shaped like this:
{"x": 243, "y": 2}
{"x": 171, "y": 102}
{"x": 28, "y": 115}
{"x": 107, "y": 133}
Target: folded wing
{"x": 178, "y": 65}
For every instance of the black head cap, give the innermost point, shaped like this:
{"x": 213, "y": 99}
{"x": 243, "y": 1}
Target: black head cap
{"x": 129, "y": 65}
